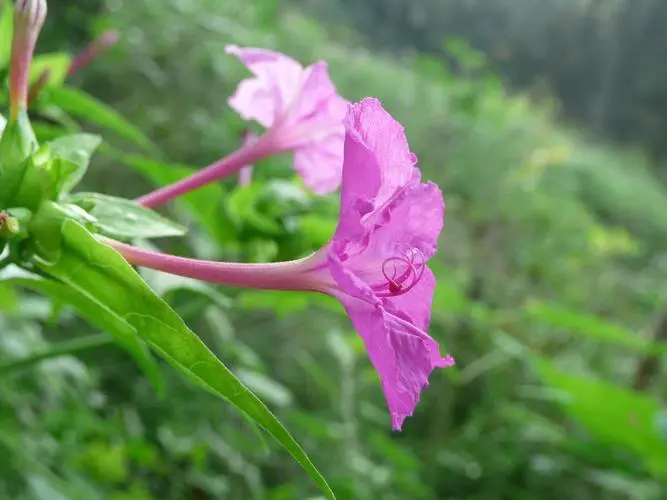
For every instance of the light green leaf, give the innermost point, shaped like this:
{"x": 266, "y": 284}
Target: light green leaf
{"x": 57, "y": 63}
{"x": 75, "y": 150}
{"x": 99, "y": 272}
{"x": 97, "y": 314}
{"x": 81, "y": 105}
{"x": 8, "y": 299}
{"x": 3, "y": 122}
{"x": 124, "y": 219}
{"x": 6, "y": 31}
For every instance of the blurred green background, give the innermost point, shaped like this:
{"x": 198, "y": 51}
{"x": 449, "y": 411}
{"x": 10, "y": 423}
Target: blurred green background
{"x": 543, "y": 123}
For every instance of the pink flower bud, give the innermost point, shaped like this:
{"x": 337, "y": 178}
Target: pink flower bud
{"x": 29, "y": 17}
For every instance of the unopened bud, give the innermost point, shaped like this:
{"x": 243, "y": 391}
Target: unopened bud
{"x": 30, "y": 13}
{"x": 9, "y": 226}
{"x": 14, "y": 223}
{"x": 104, "y": 42}
{"x": 29, "y": 17}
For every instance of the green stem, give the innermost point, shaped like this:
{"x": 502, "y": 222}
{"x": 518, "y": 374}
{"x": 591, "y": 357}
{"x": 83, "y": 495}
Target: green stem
{"x": 60, "y": 349}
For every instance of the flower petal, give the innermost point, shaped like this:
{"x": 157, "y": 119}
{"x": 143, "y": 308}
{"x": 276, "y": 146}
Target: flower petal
{"x": 369, "y": 124}
{"x": 318, "y": 106}
{"x": 412, "y": 220}
{"x": 319, "y": 164}
{"x": 403, "y": 355}
{"x": 407, "y": 226}
{"x": 265, "y": 97}
{"x": 415, "y": 305}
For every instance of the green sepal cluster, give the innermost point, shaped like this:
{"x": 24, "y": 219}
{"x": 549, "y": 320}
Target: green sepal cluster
{"x": 17, "y": 145}
{"x": 35, "y": 195}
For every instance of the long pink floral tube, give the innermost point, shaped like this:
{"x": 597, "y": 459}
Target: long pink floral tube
{"x": 247, "y": 155}
{"x": 295, "y": 275}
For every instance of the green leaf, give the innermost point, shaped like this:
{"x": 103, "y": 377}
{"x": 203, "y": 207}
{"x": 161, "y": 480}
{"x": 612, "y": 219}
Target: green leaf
{"x": 593, "y": 327}
{"x": 17, "y": 143}
{"x": 203, "y": 204}
{"x": 38, "y": 181}
{"x": 99, "y": 272}
{"x": 3, "y": 122}
{"x": 65, "y": 348}
{"x": 57, "y": 63}
{"x": 46, "y": 132}
{"x": 6, "y": 31}
{"x": 81, "y": 105}
{"x": 613, "y": 414}
{"x": 94, "y": 312}
{"x": 76, "y": 151}
{"x": 124, "y": 219}
{"x": 45, "y": 227}
{"x": 242, "y": 209}
{"x": 8, "y": 299}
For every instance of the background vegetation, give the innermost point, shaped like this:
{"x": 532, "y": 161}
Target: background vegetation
{"x": 552, "y": 270}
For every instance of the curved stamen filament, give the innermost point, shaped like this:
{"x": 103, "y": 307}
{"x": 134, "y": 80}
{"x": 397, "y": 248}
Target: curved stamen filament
{"x": 401, "y": 273}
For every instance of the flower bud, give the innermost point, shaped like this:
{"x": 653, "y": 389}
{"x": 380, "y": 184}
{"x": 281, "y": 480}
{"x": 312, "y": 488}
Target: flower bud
{"x": 9, "y": 226}
{"x": 104, "y": 42}
{"x": 14, "y": 223}
{"x": 29, "y": 17}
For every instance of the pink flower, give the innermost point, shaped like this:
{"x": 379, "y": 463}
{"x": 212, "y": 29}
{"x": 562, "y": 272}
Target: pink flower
{"x": 375, "y": 264}
{"x": 301, "y": 109}
{"x": 302, "y": 113}
{"x": 389, "y": 227}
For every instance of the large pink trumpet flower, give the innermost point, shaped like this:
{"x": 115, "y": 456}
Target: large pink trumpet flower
{"x": 375, "y": 264}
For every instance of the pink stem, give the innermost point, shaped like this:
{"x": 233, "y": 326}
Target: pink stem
{"x": 247, "y": 155}
{"x": 291, "y": 275}
{"x": 245, "y": 174}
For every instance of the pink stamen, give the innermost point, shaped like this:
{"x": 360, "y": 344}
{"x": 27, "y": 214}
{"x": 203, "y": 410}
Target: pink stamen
{"x": 400, "y": 284}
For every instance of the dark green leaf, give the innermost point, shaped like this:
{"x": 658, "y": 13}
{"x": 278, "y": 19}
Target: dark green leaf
{"x": 81, "y": 105}
{"x": 579, "y": 323}
{"x": 125, "y": 219}
{"x": 242, "y": 209}
{"x": 65, "y": 348}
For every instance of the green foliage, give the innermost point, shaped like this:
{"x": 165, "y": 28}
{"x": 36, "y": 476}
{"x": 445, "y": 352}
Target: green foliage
{"x": 55, "y": 245}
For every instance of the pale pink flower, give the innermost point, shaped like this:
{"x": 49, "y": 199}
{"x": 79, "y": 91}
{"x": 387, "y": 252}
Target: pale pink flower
{"x": 375, "y": 264}
{"x": 301, "y": 110}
